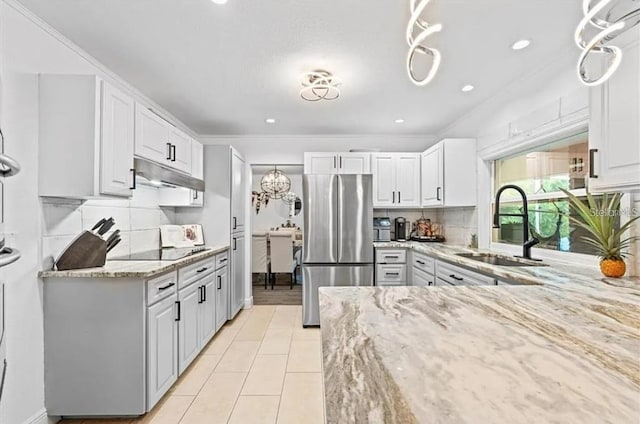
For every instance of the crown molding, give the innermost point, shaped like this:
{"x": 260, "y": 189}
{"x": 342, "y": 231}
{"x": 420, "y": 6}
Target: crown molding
{"x": 217, "y": 138}
{"x": 107, "y": 73}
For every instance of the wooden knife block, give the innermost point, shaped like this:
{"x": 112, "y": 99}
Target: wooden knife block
{"x": 87, "y": 251}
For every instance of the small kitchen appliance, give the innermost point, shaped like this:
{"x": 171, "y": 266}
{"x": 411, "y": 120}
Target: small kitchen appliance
{"x": 382, "y": 229}
{"x": 401, "y": 229}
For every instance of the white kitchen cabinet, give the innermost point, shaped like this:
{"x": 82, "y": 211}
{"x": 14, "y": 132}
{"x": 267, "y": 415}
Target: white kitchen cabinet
{"x": 337, "y": 163}
{"x": 162, "y": 349}
{"x": 86, "y": 130}
{"x": 180, "y": 197}
{"x": 207, "y": 323}
{"x": 197, "y": 160}
{"x": 391, "y": 267}
{"x": 458, "y": 276}
{"x": 449, "y": 174}
{"x": 238, "y": 192}
{"x": 222, "y": 296}
{"x": 422, "y": 279}
{"x": 614, "y": 124}
{"x": 188, "y": 326}
{"x": 237, "y": 281}
{"x": 396, "y": 180}
{"x": 159, "y": 141}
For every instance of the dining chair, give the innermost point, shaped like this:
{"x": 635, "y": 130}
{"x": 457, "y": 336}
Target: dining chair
{"x": 259, "y": 255}
{"x": 282, "y": 260}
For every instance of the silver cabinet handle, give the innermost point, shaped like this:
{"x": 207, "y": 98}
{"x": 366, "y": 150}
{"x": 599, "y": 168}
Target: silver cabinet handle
{"x": 8, "y": 166}
{"x": 8, "y": 256}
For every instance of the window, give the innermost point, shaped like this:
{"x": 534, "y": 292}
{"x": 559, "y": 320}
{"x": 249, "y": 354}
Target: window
{"x": 541, "y": 174}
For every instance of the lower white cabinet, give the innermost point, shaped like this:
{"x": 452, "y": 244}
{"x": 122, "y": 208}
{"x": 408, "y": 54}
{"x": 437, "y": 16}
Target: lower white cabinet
{"x": 189, "y": 342}
{"x": 236, "y": 283}
{"x": 422, "y": 279}
{"x": 162, "y": 349}
{"x": 222, "y": 296}
{"x": 207, "y": 324}
{"x": 391, "y": 267}
{"x": 458, "y": 276}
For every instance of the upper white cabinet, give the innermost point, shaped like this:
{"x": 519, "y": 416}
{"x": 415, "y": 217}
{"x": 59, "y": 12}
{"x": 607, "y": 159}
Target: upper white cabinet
{"x": 449, "y": 174}
{"x": 396, "y": 179}
{"x": 180, "y": 197}
{"x": 238, "y": 193}
{"x": 614, "y": 126}
{"x": 197, "y": 160}
{"x": 86, "y": 137}
{"x": 337, "y": 163}
{"x": 161, "y": 142}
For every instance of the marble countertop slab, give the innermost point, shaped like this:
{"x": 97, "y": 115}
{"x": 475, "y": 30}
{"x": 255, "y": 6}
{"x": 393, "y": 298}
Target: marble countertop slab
{"x": 133, "y": 269}
{"x": 557, "y": 353}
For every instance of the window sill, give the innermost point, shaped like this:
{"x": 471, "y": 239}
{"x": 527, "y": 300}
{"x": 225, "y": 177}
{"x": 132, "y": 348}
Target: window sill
{"x": 550, "y": 255}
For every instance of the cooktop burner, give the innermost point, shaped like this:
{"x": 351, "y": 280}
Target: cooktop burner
{"x": 166, "y": 254}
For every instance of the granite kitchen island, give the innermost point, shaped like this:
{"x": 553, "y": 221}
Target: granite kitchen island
{"x": 565, "y": 353}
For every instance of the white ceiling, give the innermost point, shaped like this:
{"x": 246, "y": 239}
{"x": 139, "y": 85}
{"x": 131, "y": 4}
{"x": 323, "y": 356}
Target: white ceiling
{"x": 223, "y": 69}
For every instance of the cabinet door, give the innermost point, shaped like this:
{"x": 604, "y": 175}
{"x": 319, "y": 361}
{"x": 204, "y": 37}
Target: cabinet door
{"x": 320, "y": 163}
{"x": 117, "y": 135}
{"x": 222, "y": 299}
{"x": 151, "y": 136}
{"x": 432, "y": 176}
{"x": 384, "y": 180}
{"x": 421, "y": 278}
{"x": 197, "y": 160}
{"x": 180, "y": 150}
{"x": 354, "y": 163}
{"x": 197, "y": 198}
{"x": 238, "y": 195}
{"x": 408, "y": 179}
{"x": 162, "y": 349}
{"x": 236, "y": 282}
{"x": 208, "y": 309}
{"x": 615, "y": 125}
{"x": 188, "y": 331}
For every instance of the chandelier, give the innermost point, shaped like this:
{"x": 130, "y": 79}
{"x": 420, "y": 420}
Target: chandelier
{"x": 416, "y": 44}
{"x": 610, "y": 20}
{"x": 319, "y": 85}
{"x": 275, "y": 183}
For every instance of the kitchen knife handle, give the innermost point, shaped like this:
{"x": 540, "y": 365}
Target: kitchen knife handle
{"x": 168, "y": 151}
{"x": 177, "y": 310}
{"x": 133, "y": 181}
{"x": 173, "y": 150}
{"x": 592, "y": 173}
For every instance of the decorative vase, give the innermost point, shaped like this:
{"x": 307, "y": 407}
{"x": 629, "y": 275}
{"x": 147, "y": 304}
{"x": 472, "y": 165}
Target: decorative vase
{"x": 614, "y": 268}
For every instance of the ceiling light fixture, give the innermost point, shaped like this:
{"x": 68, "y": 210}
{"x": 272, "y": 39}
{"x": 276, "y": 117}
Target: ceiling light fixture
{"x": 319, "y": 85}
{"x": 467, "y": 88}
{"x": 609, "y": 27}
{"x": 416, "y": 43}
{"x": 219, "y": 1}
{"x": 520, "y": 44}
{"x": 275, "y": 183}
{"x": 399, "y": 121}
{"x": 270, "y": 121}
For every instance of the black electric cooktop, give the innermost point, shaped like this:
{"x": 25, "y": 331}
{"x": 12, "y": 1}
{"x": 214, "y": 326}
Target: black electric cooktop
{"x": 166, "y": 254}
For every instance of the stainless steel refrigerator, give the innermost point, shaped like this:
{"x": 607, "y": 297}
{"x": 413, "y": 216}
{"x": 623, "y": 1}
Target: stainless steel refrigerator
{"x": 338, "y": 236}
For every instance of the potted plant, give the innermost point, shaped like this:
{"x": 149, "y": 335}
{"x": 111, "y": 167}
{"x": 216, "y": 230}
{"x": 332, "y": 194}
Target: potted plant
{"x": 599, "y": 218}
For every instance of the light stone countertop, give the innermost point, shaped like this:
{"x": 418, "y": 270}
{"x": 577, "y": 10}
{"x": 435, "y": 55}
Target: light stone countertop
{"x": 133, "y": 269}
{"x": 566, "y": 351}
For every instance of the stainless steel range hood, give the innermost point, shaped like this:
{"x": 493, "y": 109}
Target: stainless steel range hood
{"x": 154, "y": 172}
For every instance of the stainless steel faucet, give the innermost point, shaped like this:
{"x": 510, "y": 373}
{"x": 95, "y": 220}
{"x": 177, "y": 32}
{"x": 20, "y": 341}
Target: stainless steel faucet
{"x": 527, "y": 242}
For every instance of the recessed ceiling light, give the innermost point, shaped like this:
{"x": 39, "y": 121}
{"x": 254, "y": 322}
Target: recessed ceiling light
{"x": 467, "y": 88}
{"x": 219, "y": 1}
{"x": 521, "y": 44}
{"x": 270, "y": 121}
{"x": 399, "y": 121}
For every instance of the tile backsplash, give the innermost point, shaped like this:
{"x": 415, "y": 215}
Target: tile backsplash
{"x": 138, "y": 220}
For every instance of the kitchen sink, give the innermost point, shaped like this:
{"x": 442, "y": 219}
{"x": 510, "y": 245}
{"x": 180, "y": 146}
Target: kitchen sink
{"x": 499, "y": 260}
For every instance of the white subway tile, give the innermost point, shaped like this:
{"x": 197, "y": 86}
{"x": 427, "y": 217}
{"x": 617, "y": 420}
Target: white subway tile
{"x": 145, "y": 218}
{"x": 123, "y": 248}
{"x": 92, "y": 214}
{"x": 144, "y": 240}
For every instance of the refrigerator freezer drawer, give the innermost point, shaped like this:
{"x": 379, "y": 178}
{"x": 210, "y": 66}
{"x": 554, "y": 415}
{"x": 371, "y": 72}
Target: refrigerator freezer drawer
{"x": 329, "y": 276}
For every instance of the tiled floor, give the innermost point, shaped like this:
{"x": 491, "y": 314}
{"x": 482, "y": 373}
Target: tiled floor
{"x": 262, "y": 367}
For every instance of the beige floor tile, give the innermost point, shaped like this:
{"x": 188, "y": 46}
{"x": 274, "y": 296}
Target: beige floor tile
{"x": 300, "y": 333}
{"x": 238, "y": 357}
{"x": 169, "y": 411}
{"x": 276, "y": 341}
{"x": 255, "y": 410}
{"x": 305, "y": 356}
{"x": 104, "y": 421}
{"x": 263, "y": 309}
{"x": 215, "y": 401}
{"x": 284, "y": 317}
{"x": 239, "y": 320}
{"x": 266, "y": 375}
{"x": 254, "y": 329}
{"x": 192, "y": 381}
{"x": 221, "y": 341}
{"x": 302, "y": 399}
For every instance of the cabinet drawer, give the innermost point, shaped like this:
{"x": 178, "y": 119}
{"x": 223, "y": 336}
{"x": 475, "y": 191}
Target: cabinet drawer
{"x": 391, "y": 256}
{"x": 193, "y": 272}
{"x": 422, "y": 279}
{"x": 161, "y": 287}
{"x": 423, "y": 263}
{"x": 391, "y": 274}
{"x": 459, "y": 276}
{"x": 222, "y": 259}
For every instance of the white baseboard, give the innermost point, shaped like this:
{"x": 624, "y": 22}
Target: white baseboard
{"x": 40, "y": 417}
{"x": 248, "y": 302}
